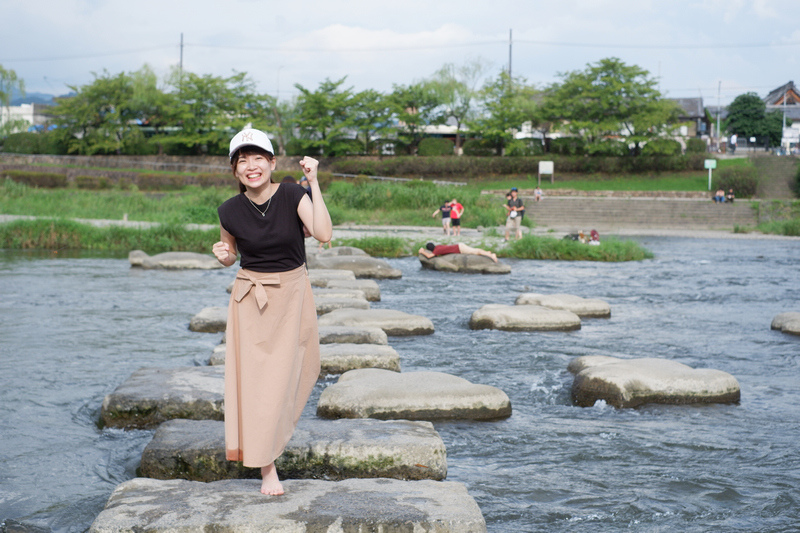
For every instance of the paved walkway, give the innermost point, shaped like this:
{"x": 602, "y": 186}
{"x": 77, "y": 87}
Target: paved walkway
{"x": 434, "y": 233}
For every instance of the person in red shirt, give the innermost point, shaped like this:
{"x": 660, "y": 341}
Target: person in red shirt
{"x": 432, "y": 250}
{"x": 456, "y": 210}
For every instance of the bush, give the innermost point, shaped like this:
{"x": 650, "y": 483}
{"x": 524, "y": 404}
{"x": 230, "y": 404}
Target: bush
{"x": 34, "y": 143}
{"x": 696, "y": 146}
{"x": 47, "y": 180}
{"x": 796, "y": 186}
{"x": 742, "y": 179}
{"x": 161, "y": 182}
{"x": 568, "y": 146}
{"x": 431, "y": 146}
{"x": 92, "y": 182}
{"x": 608, "y": 148}
{"x": 478, "y": 147}
{"x": 524, "y": 148}
{"x": 662, "y": 147}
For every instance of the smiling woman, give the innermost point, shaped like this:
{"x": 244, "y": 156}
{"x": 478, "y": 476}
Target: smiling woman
{"x": 272, "y": 335}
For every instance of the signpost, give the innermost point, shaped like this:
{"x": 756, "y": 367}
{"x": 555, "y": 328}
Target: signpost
{"x": 545, "y": 167}
{"x": 710, "y": 164}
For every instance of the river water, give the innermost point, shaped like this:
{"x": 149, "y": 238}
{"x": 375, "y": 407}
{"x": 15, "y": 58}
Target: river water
{"x": 73, "y": 328}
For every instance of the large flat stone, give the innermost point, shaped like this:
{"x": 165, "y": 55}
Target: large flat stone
{"x": 319, "y": 449}
{"x": 390, "y": 321}
{"x": 329, "y": 292}
{"x": 362, "y": 266}
{"x": 465, "y": 263}
{"x": 339, "y": 358}
{"x": 382, "y": 394}
{"x": 787, "y": 323}
{"x": 209, "y": 320}
{"x": 151, "y": 396}
{"x": 173, "y": 260}
{"x": 523, "y": 318}
{"x": 155, "y": 506}
{"x": 634, "y": 382}
{"x": 320, "y": 277}
{"x": 370, "y": 288}
{"x": 327, "y": 304}
{"x": 583, "y": 307}
{"x": 352, "y": 335}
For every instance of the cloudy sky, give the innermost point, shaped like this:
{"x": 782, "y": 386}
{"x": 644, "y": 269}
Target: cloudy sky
{"x": 694, "y": 47}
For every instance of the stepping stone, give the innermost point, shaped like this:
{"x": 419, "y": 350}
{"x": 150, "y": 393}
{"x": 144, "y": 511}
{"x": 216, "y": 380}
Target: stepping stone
{"x": 390, "y": 321}
{"x": 319, "y": 449}
{"x": 787, "y": 323}
{"x": 347, "y": 349}
{"x": 151, "y": 396}
{"x": 386, "y": 395}
{"x": 369, "y": 287}
{"x": 326, "y": 305}
{"x": 583, "y": 307}
{"x": 217, "y": 355}
{"x": 174, "y": 261}
{"x": 209, "y": 320}
{"x": 361, "y": 266}
{"x": 339, "y": 358}
{"x": 157, "y": 506}
{"x": 523, "y": 318}
{"x": 466, "y": 263}
{"x": 320, "y": 277}
{"x": 634, "y": 382}
{"x": 329, "y": 292}
{"x": 352, "y": 335}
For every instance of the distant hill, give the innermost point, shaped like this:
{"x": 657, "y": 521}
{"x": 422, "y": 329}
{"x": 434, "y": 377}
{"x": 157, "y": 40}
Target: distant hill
{"x": 33, "y": 98}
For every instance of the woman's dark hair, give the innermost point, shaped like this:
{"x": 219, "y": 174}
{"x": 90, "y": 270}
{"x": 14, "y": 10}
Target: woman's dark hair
{"x": 430, "y": 246}
{"x": 247, "y": 150}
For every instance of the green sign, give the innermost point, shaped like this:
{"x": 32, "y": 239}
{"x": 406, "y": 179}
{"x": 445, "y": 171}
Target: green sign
{"x": 711, "y": 163}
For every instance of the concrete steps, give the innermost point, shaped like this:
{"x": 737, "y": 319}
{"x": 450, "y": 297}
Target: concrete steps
{"x": 609, "y": 214}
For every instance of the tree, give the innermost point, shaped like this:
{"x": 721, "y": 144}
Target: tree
{"x": 505, "y": 106}
{"x": 457, "y": 87}
{"x": 99, "y": 117}
{"x": 748, "y": 117}
{"x": 373, "y": 117}
{"x": 210, "y": 109}
{"x": 9, "y": 82}
{"x": 156, "y": 109}
{"x": 324, "y": 118}
{"x": 416, "y": 106}
{"x": 607, "y": 99}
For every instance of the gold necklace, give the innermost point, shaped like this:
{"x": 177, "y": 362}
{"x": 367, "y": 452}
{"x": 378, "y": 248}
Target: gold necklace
{"x": 262, "y": 213}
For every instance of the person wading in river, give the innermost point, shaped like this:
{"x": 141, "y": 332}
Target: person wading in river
{"x": 272, "y": 355}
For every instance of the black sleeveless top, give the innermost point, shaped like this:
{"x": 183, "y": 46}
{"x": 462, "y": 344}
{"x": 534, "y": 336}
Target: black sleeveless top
{"x": 270, "y": 243}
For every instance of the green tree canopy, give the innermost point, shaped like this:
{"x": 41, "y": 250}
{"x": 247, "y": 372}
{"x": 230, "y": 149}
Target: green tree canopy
{"x": 610, "y": 98}
{"x": 505, "y": 104}
{"x": 373, "y": 116}
{"x": 457, "y": 89}
{"x": 748, "y": 117}
{"x": 324, "y": 118}
{"x": 416, "y": 106}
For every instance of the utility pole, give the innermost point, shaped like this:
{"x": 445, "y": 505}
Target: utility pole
{"x": 180, "y": 68}
{"x": 509, "y": 53}
{"x": 719, "y": 110}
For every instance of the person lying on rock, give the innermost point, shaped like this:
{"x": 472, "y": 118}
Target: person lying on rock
{"x": 432, "y": 250}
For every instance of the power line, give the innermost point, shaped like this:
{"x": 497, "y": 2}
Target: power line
{"x": 89, "y": 56}
{"x": 661, "y": 46}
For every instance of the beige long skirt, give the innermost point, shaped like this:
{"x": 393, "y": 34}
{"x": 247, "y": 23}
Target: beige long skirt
{"x": 271, "y": 362}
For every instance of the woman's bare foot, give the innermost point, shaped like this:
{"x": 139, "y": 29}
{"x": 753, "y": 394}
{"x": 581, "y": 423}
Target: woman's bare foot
{"x": 270, "y": 484}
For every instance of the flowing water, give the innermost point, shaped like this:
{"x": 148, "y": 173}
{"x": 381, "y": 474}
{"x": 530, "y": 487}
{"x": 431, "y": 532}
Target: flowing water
{"x": 73, "y": 328}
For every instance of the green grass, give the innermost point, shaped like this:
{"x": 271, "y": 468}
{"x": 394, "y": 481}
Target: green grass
{"x": 380, "y": 246}
{"x": 57, "y": 234}
{"x": 533, "y": 247}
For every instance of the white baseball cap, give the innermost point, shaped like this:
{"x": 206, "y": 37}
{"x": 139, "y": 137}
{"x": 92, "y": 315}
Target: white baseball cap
{"x": 250, "y": 137}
